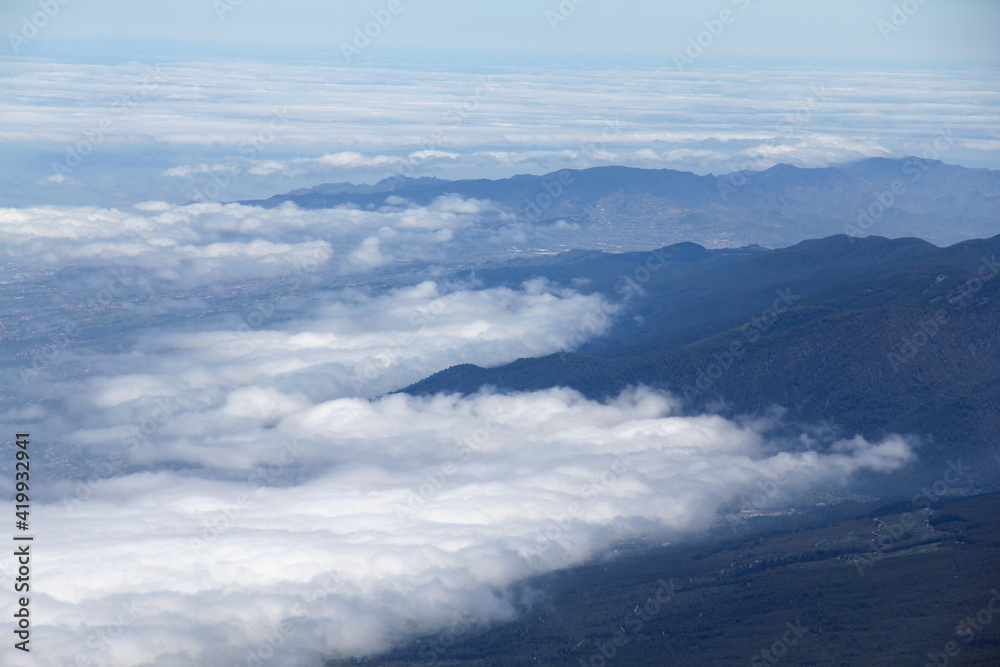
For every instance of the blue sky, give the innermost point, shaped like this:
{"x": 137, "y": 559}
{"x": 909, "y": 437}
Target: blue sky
{"x": 963, "y": 29}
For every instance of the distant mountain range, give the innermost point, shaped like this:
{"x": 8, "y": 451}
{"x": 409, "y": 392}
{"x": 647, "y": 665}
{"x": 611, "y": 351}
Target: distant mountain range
{"x": 870, "y": 335}
{"x": 636, "y": 208}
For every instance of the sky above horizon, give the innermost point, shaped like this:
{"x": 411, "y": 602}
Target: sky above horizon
{"x": 958, "y": 29}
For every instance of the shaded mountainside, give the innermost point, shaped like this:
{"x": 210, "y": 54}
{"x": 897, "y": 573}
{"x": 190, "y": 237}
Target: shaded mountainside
{"x": 779, "y": 206}
{"x": 874, "y": 336}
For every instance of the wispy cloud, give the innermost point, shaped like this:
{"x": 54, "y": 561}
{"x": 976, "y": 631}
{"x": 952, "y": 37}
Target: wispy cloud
{"x": 361, "y": 122}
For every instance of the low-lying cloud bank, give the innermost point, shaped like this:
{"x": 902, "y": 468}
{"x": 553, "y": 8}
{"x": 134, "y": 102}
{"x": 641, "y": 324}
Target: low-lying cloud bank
{"x": 298, "y": 520}
{"x": 203, "y": 244}
{"x": 367, "y": 521}
{"x": 251, "y": 492}
{"x": 298, "y": 125}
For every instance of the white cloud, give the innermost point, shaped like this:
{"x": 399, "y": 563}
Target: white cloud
{"x": 202, "y": 244}
{"x": 188, "y": 170}
{"x": 364, "y": 123}
{"x": 302, "y": 509}
{"x": 416, "y": 510}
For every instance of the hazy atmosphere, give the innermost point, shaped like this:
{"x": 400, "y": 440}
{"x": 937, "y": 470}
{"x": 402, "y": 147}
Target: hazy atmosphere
{"x": 303, "y": 386}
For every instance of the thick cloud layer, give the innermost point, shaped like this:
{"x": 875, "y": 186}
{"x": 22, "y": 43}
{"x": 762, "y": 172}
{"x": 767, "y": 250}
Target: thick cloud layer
{"x": 202, "y": 244}
{"x": 264, "y": 128}
{"x": 257, "y": 371}
{"x": 415, "y": 512}
{"x": 249, "y": 497}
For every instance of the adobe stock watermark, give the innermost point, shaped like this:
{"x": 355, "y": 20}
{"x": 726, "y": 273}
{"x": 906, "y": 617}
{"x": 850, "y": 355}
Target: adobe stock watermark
{"x": 900, "y": 16}
{"x": 461, "y": 623}
{"x": 373, "y": 366}
{"x": 589, "y": 492}
{"x": 136, "y": 435}
{"x": 629, "y": 286}
{"x": 103, "y": 638}
{"x": 882, "y": 201}
{"x": 593, "y": 322}
{"x": 969, "y": 628}
{"x": 248, "y": 149}
{"x": 779, "y": 649}
{"x": 562, "y": 13}
{"x": 274, "y": 641}
{"x": 789, "y": 127}
{"x": 62, "y": 336}
{"x": 890, "y": 533}
{"x": 768, "y": 489}
{"x": 30, "y": 26}
{"x": 632, "y": 625}
{"x": 224, "y": 7}
{"x": 554, "y": 188}
{"x": 928, "y": 328}
{"x": 262, "y": 476}
{"x": 122, "y": 108}
{"x": 721, "y": 362}
{"x": 451, "y": 118}
{"x": 365, "y": 35}
{"x": 264, "y": 309}
{"x": 714, "y": 29}
{"x": 417, "y": 498}
{"x": 960, "y": 297}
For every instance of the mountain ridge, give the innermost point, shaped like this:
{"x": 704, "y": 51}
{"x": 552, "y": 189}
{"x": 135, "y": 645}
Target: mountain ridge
{"x": 879, "y": 335}
{"x": 776, "y": 207}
